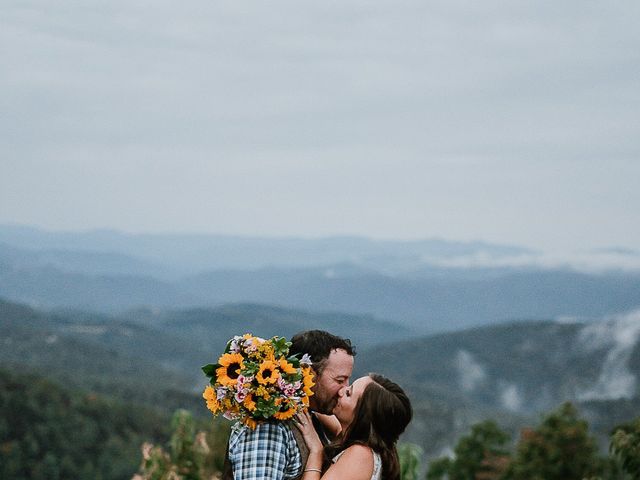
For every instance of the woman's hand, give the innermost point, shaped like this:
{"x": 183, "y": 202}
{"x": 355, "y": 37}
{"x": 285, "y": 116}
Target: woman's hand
{"x": 304, "y": 423}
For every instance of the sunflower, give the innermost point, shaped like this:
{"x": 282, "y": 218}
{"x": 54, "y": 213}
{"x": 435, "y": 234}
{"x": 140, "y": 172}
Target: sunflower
{"x": 249, "y": 402}
{"x": 307, "y": 381}
{"x": 268, "y": 373}
{"x": 286, "y": 367}
{"x": 229, "y": 370}
{"x": 285, "y": 411}
{"x": 209, "y": 395}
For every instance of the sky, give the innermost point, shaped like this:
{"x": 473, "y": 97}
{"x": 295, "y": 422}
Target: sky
{"x": 508, "y": 122}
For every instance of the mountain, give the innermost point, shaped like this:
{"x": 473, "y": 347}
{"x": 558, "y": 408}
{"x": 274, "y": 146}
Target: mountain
{"x": 433, "y": 301}
{"x": 397, "y": 281}
{"x": 194, "y": 253}
{"x": 436, "y": 303}
{"x": 211, "y": 328}
{"x": 88, "y": 348}
{"x": 49, "y": 287}
{"x": 513, "y": 372}
{"x": 87, "y": 352}
{"x": 510, "y": 372}
{"x": 82, "y": 261}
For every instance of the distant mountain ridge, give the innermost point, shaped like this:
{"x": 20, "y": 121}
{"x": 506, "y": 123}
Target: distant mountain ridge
{"x": 194, "y": 253}
{"x": 430, "y": 304}
{"x": 384, "y": 279}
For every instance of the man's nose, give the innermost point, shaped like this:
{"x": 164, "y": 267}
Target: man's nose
{"x": 342, "y": 390}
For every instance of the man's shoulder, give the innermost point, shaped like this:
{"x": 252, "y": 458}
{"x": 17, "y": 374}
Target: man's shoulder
{"x": 264, "y": 432}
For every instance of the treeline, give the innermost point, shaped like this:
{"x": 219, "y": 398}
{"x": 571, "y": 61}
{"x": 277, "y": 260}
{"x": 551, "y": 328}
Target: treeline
{"x": 51, "y": 432}
{"x": 559, "y": 448}
{"x": 54, "y": 433}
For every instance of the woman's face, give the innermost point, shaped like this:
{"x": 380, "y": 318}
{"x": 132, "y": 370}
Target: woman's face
{"x": 348, "y": 399}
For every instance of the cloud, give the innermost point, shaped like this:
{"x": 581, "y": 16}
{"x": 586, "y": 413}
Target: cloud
{"x": 619, "y": 336}
{"x": 495, "y": 120}
{"x": 470, "y": 373}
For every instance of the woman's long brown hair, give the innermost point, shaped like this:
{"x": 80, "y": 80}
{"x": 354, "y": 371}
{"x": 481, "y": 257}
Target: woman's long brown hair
{"x": 381, "y": 415}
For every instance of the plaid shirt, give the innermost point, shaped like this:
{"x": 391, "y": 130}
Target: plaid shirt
{"x": 269, "y": 452}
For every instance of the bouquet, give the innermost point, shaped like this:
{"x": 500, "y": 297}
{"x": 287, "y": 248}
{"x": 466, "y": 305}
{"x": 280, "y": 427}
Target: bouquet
{"x": 256, "y": 380}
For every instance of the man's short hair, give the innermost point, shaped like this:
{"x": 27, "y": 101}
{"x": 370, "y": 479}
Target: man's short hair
{"x": 319, "y": 344}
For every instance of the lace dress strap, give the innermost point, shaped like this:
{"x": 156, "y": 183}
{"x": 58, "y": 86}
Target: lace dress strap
{"x": 377, "y": 466}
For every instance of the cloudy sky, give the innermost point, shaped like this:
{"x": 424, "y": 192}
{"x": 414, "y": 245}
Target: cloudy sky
{"x": 512, "y": 122}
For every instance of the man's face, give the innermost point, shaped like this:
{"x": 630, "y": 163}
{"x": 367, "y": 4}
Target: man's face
{"x": 329, "y": 383}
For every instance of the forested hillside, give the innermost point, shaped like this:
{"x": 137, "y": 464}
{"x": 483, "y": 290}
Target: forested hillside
{"x": 48, "y": 432}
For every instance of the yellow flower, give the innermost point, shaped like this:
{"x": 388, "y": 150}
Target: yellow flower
{"x": 229, "y": 370}
{"x": 249, "y": 402}
{"x": 209, "y": 395}
{"x": 261, "y": 391}
{"x": 266, "y": 351}
{"x": 307, "y": 381}
{"x": 285, "y": 412}
{"x": 286, "y": 367}
{"x": 268, "y": 373}
{"x": 250, "y": 422}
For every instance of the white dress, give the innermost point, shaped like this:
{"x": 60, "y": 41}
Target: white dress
{"x": 377, "y": 464}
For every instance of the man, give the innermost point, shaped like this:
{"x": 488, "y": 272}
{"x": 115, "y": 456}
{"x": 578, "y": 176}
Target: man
{"x": 276, "y": 451}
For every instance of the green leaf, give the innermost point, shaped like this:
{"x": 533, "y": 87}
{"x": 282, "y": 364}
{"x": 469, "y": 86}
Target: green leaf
{"x": 294, "y": 360}
{"x": 280, "y": 346}
{"x": 210, "y": 369}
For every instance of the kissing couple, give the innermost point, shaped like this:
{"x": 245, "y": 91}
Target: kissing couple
{"x": 349, "y": 431}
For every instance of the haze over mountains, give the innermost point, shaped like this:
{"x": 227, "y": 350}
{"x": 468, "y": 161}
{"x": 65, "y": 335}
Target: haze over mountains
{"x": 415, "y": 284}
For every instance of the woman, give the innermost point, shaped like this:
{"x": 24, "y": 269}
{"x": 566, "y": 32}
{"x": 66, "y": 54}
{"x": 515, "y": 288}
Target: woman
{"x": 372, "y": 413}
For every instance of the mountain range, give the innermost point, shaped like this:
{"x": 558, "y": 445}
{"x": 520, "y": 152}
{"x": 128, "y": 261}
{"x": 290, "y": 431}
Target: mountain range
{"x": 510, "y": 372}
{"x": 111, "y": 272}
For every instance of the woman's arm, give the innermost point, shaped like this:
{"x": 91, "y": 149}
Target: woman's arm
{"x": 331, "y": 424}
{"x": 356, "y": 463}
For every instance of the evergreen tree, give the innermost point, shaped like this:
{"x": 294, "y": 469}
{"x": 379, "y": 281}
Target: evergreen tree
{"x": 560, "y": 448}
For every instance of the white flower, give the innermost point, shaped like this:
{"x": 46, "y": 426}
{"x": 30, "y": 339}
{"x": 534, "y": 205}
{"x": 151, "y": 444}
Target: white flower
{"x": 221, "y": 392}
{"x": 306, "y": 359}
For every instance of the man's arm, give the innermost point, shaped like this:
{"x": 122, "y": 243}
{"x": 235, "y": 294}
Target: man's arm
{"x": 269, "y": 452}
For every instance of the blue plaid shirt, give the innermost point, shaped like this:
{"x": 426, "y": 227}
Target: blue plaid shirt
{"x": 269, "y": 452}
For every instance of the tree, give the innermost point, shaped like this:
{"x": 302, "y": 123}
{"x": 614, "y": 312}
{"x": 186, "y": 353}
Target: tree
{"x": 187, "y": 456}
{"x": 409, "y": 455}
{"x": 625, "y": 447}
{"x": 560, "y": 448}
{"x": 480, "y": 455}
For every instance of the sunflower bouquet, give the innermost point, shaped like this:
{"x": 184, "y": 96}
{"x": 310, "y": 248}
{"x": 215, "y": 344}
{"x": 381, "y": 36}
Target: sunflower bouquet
{"x": 256, "y": 380}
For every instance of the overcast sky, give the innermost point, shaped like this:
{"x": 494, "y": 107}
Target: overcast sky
{"x": 506, "y": 121}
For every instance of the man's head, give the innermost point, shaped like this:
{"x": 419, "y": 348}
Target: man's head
{"x": 332, "y": 359}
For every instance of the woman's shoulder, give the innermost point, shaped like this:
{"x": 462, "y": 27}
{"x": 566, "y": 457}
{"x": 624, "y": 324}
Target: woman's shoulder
{"x": 360, "y": 456}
